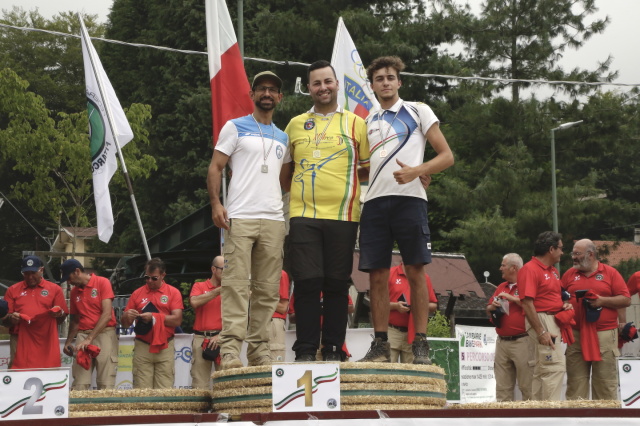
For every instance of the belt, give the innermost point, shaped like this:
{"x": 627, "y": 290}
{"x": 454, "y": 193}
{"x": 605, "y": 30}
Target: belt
{"x": 209, "y": 333}
{"x": 140, "y": 340}
{"x": 516, "y": 337}
{"x": 91, "y": 329}
{"x": 397, "y": 327}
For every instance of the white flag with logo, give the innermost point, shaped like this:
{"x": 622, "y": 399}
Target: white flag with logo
{"x": 107, "y": 121}
{"x": 354, "y": 93}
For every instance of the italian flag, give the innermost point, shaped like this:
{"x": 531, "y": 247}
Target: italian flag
{"x": 229, "y": 84}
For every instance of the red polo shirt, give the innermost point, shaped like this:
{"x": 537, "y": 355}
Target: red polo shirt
{"x": 87, "y": 302}
{"x": 542, "y": 284}
{"x": 284, "y": 293}
{"x": 38, "y": 345}
{"x": 605, "y": 281}
{"x": 632, "y": 284}
{"x": 512, "y": 324}
{"x": 166, "y": 299}
{"x": 209, "y": 315}
{"x": 398, "y": 286}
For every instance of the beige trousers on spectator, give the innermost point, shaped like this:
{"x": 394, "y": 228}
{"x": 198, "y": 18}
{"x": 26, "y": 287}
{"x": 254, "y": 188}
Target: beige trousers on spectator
{"x": 13, "y": 346}
{"x": 276, "y": 339}
{"x": 253, "y": 248}
{"x": 550, "y": 366}
{"x": 200, "y": 367}
{"x": 400, "y": 348}
{"x": 153, "y": 371}
{"x": 514, "y": 360}
{"x": 603, "y": 374}
{"x": 105, "y": 363}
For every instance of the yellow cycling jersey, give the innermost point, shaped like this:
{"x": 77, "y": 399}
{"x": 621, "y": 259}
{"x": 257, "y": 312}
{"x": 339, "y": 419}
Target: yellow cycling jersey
{"x": 326, "y": 151}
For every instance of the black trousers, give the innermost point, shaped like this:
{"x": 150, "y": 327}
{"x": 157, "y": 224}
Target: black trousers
{"x": 321, "y": 256}
{"x": 320, "y": 305}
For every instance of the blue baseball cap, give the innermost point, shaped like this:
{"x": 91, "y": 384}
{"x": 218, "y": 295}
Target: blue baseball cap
{"x": 31, "y": 264}
{"x": 591, "y": 314}
{"x": 68, "y": 267}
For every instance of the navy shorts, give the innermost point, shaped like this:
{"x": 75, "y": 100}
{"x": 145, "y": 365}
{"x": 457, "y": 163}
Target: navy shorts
{"x": 394, "y": 218}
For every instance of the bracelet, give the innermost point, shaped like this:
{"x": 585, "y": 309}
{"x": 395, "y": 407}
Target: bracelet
{"x": 544, "y": 331}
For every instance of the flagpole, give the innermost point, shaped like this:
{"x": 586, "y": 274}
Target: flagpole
{"x": 114, "y": 131}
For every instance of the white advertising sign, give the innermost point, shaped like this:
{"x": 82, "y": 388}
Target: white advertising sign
{"x": 34, "y": 394}
{"x": 477, "y": 353}
{"x": 628, "y": 370}
{"x": 305, "y": 387}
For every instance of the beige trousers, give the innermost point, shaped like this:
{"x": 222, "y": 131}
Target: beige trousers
{"x": 550, "y": 366}
{"x": 200, "y": 367}
{"x": 277, "y": 339}
{"x": 514, "y": 360}
{"x": 153, "y": 371}
{"x": 603, "y": 374}
{"x": 400, "y": 348}
{"x": 250, "y": 284}
{"x": 105, "y": 363}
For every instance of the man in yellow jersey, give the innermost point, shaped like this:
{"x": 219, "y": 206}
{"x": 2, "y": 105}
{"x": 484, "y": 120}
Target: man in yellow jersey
{"x": 327, "y": 146}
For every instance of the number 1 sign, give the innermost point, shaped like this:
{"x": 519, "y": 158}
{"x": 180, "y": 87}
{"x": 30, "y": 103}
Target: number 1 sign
{"x": 305, "y": 387}
{"x": 34, "y": 394}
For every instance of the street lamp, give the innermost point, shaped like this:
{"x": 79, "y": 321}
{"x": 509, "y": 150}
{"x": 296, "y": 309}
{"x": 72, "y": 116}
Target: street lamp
{"x": 554, "y": 195}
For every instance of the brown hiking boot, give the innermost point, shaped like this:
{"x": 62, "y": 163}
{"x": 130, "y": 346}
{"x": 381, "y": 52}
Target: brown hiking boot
{"x": 261, "y": 360}
{"x": 230, "y": 361}
{"x": 378, "y": 352}
{"x": 420, "y": 349}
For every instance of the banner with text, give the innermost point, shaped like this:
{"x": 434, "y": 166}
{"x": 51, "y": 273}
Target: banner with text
{"x": 477, "y": 353}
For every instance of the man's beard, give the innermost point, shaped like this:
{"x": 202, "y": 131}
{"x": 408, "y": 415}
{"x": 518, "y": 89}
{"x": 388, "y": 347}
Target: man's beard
{"x": 266, "y": 106}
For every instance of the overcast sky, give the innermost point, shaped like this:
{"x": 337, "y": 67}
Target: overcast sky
{"x": 618, "y": 39}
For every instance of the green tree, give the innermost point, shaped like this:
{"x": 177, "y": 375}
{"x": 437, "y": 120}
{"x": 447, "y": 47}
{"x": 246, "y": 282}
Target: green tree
{"x": 176, "y": 86}
{"x": 50, "y": 159}
{"x": 438, "y": 326}
{"x": 628, "y": 267}
{"x": 524, "y": 39}
{"x": 52, "y": 64}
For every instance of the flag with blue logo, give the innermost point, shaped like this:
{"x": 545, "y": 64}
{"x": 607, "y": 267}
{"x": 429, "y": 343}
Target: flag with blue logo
{"x": 355, "y": 93}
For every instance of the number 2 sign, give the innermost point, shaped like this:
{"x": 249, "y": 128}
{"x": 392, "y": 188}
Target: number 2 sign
{"x": 305, "y": 387}
{"x": 34, "y": 394}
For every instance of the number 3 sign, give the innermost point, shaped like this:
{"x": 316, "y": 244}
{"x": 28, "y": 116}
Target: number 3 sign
{"x": 34, "y": 394}
{"x": 305, "y": 387}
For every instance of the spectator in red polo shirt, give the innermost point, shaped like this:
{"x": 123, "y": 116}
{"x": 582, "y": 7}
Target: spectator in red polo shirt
{"x": 593, "y": 354}
{"x": 514, "y": 350}
{"x": 92, "y": 322}
{"x": 634, "y": 283}
{"x": 153, "y": 352}
{"x": 632, "y": 286}
{"x": 205, "y": 299}
{"x": 36, "y": 308}
{"x": 541, "y": 297}
{"x": 400, "y": 333}
{"x": 277, "y": 330}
